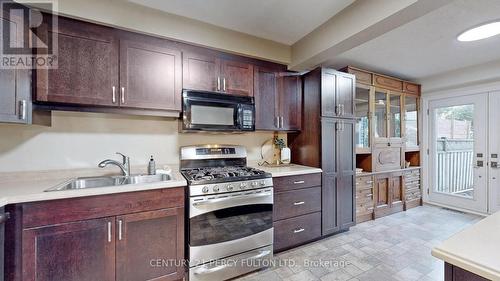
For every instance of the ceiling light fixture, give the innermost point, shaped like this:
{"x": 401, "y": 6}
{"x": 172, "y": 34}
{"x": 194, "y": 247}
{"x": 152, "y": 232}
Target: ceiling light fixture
{"x": 480, "y": 32}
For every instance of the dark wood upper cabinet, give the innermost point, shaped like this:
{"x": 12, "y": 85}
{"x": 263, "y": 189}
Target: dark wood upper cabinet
{"x": 338, "y": 90}
{"x": 237, "y": 78}
{"x": 83, "y": 250}
{"x": 266, "y": 99}
{"x": 278, "y": 100}
{"x": 15, "y": 85}
{"x": 150, "y": 76}
{"x": 290, "y": 99}
{"x": 200, "y": 72}
{"x": 146, "y": 236}
{"x": 87, "y": 66}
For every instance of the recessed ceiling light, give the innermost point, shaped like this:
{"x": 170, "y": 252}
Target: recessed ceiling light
{"x": 481, "y": 32}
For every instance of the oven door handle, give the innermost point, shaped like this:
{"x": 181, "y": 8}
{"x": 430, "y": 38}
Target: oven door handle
{"x": 226, "y": 199}
{"x": 206, "y": 270}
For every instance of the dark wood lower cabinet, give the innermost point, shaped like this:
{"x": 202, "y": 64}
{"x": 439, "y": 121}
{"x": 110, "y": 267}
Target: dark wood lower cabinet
{"x": 455, "y": 273}
{"x": 297, "y": 210}
{"x": 127, "y": 236}
{"x": 80, "y": 251}
{"x": 149, "y": 244}
{"x": 388, "y": 194}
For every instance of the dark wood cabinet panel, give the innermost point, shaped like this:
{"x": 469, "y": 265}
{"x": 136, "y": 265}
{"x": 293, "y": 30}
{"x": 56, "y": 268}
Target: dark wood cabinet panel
{"x": 397, "y": 191}
{"x": 87, "y": 66}
{"x": 237, "y": 78}
{"x": 295, "y": 231}
{"x": 15, "y": 84}
{"x": 200, "y": 72}
{"x": 297, "y": 202}
{"x": 80, "y": 251}
{"x": 290, "y": 99}
{"x": 346, "y": 88}
{"x": 266, "y": 99}
{"x": 329, "y": 93}
{"x": 146, "y": 236}
{"x": 388, "y": 194}
{"x": 455, "y": 273}
{"x": 346, "y": 200}
{"x": 150, "y": 76}
{"x": 328, "y": 146}
{"x": 329, "y": 214}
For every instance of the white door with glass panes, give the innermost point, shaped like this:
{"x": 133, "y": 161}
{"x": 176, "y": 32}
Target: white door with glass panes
{"x": 459, "y": 154}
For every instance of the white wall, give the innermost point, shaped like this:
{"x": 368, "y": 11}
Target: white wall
{"x": 81, "y": 140}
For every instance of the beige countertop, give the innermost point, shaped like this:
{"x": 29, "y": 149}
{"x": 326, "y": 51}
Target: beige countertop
{"x": 288, "y": 170}
{"x": 475, "y": 249}
{"x": 22, "y": 187}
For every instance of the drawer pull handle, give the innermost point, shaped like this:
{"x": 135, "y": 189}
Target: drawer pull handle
{"x": 298, "y": 203}
{"x": 369, "y": 182}
{"x": 298, "y": 230}
{"x": 298, "y": 182}
{"x": 369, "y": 195}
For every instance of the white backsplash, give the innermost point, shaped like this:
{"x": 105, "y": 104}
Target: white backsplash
{"x": 81, "y": 140}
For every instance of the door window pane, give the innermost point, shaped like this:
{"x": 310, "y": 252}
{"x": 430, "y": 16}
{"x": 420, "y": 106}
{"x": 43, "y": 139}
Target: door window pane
{"x": 395, "y": 118}
{"x": 411, "y": 121}
{"x": 362, "y": 113}
{"x": 379, "y": 118}
{"x": 455, "y": 150}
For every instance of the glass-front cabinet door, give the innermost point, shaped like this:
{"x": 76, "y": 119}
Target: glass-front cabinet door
{"x": 380, "y": 114}
{"x": 411, "y": 122}
{"x": 362, "y": 100}
{"x": 394, "y": 118}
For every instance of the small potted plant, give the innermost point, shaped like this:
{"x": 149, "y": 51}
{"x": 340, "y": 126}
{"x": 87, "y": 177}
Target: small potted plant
{"x": 279, "y": 145}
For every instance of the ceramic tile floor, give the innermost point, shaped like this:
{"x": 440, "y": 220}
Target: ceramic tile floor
{"x": 396, "y": 247}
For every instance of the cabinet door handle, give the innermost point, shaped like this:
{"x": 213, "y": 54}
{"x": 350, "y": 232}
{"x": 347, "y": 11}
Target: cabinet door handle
{"x": 337, "y": 109}
{"x": 109, "y": 231}
{"x": 123, "y": 95}
{"x": 298, "y": 230}
{"x": 281, "y": 118}
{"x": 299, "y": 182}
{"x": 120, "y": 232}
{"x": 276, "y": 122}
{"x": 218, "y": 83}
{"x": 224, "y": 84}
{"x": 22, "y": 109}
{"x": 114, "y": 94}
{"x": 299, "y": 203}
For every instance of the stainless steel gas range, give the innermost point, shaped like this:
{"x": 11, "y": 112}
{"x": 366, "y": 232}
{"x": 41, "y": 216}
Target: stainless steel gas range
{"x": 230, "y": 212}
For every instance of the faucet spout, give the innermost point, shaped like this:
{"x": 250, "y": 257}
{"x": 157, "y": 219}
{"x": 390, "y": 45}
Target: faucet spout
{"x": 124, "y": 167}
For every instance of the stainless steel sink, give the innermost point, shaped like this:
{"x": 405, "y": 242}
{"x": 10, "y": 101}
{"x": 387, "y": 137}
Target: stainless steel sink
{"x": 81, "y": 183}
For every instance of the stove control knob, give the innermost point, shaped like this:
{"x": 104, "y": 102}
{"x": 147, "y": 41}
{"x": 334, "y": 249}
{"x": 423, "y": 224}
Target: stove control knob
{"x": 229, "y": 187}
{"x": 243, "y": 185}
{"x": 262, "y": 183}
{"x": 215, "y": 188}
{"x": 254, "y": 183}
{"x": 205, "y": 189}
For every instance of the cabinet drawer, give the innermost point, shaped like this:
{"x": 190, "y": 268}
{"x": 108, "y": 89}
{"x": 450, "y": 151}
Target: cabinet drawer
{"x": 296, "y": 182}
{"x": 297, "y": 202}
{"x": 387, "y": 82}
{"x": 295, "y": 231}
{"x": 366, "y": 181}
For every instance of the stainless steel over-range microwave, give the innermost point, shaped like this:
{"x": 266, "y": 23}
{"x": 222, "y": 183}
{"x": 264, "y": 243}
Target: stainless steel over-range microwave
{"x": 212, "y": 111}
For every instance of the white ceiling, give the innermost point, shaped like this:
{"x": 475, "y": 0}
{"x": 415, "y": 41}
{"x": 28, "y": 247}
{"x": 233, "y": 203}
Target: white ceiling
{"x": 427, "y": 46}
{"x": 284, "y": 21}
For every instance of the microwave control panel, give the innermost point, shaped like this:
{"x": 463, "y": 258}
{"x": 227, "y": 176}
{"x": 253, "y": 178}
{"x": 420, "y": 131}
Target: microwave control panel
{"x": 247, "y": 119}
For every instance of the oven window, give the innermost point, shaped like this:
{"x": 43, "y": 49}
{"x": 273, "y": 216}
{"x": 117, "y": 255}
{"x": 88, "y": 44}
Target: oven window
{"x": 230, "y": 224}
{"x": 211, "y": 115}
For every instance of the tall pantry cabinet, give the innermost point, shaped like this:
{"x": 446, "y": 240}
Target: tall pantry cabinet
{"x": 327, "y": 142}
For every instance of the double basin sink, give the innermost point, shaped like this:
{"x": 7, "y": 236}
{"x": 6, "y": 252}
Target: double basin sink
{"x": 93, "y": 182}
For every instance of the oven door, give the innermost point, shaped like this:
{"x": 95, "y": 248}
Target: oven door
{"x": 228, "y": 224}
